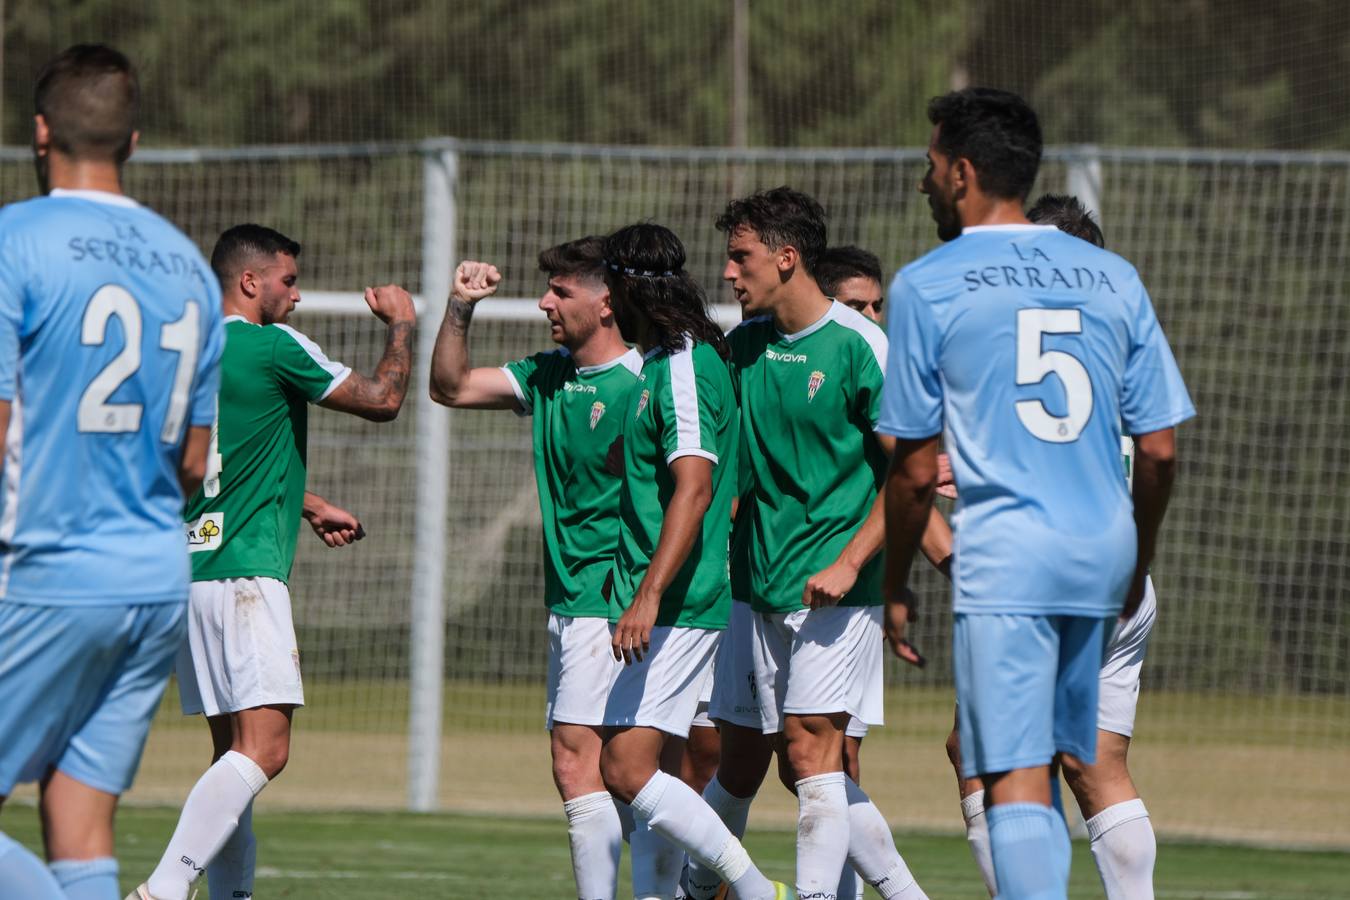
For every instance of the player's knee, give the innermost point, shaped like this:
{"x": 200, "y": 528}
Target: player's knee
{"x": 954, "y": 749}
{"x": 271, "y": 758}
{"x": 620, "y": 777}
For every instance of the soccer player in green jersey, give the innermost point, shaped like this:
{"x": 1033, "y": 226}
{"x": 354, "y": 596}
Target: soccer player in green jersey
{"x": 240, "y": 665}
{"x": 808, "y": 374}
{"x": 669, "y": 594}
{"x": 576, "y": 396}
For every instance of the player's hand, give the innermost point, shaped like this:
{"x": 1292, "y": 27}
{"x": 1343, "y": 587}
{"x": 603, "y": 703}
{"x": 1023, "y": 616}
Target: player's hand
{"x": 829, "y": 586}
{"x": 946, "y": 482}
{"x": 475, "y": 280}
{"x": 895, "y": 622}
{"x": 391, "y": 303}
{"x": 614, "y": 458}
{"x": 335, "y": 526}
{"x": 633, "y": 633}
{"x": 1134, "y": 597}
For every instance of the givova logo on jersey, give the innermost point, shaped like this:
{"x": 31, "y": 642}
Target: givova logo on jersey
{"x": 205, "y": 533}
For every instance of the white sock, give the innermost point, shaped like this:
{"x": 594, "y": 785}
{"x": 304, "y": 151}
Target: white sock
{"x": 822, "y": 834}
{"x": 596, "y": 836}
{"x": 871, "y": 849}
{"x": 209, "y": 817}
{"x": 678, "y": 814}
{"x": 24, "y": 875}
{"x": 734, "y": 813}
{"x": 230, "y": 874}
{"x": 977, "y": 836}
{"x": 657, "y": 864}
{"x": 1124, "y": 848}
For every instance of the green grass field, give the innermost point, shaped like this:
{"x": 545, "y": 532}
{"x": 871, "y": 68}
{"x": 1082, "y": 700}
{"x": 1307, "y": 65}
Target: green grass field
{"x": 322, "y": 855}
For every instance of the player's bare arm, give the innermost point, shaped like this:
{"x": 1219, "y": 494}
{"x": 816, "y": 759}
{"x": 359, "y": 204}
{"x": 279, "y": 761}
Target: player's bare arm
{"x": 911, "y": 483}
{"x": 680, "y": 529}
{"x": 453, "y": 381}
{"x": 192, "y": 467}
{"x": 1155, "y": 465}
{"x": 379, "y": 397}
{"x": 334, "y": 525}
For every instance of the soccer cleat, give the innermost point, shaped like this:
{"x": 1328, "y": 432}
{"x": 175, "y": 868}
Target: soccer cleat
{"x": 783, "y": 892}
{"x": 141, "y": 893}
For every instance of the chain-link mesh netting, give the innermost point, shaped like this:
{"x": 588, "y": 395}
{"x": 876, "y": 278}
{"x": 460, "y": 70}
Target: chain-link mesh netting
{"x": 1210, "y": 73}
{"x": 1245, "y": 717}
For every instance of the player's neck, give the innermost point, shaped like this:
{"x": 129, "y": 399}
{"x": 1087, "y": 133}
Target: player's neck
{"x": 234, "y": 306}
{"x": 82, "y": 175}
{"x": 985, "y": 210}
{"x": 799, "y": 306}
{"x": 604, "y": 346}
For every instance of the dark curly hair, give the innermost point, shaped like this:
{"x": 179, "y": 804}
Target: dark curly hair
{"x": 997, "y": 131}
{"x": 1069, "y": 215}
{"x": 644, "y": 269}
{"x": 780, "y": 217}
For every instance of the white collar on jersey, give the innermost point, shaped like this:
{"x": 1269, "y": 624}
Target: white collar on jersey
{"x": 95, "y": 196}
{"x": 1015, "y": 226}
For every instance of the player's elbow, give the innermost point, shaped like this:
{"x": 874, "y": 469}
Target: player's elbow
{"x": 385, "y": 411}
{"x": 1157, "y": 451}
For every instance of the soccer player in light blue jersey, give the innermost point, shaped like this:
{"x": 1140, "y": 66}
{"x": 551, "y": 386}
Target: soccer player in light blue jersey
{"x": 110, "y": 337}
{"x": 1028, "y": 348}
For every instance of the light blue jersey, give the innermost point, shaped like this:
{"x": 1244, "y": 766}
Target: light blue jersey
{"x": 1031, "y": 349}
{"x": 110, "y": 338}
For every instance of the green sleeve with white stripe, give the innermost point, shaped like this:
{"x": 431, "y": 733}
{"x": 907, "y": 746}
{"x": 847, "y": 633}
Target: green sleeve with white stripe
{"x": 304, "y": 371}
{"x": 688, "y": 404}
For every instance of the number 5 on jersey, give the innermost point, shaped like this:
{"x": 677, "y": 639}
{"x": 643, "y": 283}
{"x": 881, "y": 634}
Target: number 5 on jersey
{"x": 95, "y": 413}
{"x": 1035, "y": 363}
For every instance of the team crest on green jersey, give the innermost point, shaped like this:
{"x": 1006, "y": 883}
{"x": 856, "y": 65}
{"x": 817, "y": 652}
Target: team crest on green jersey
{"x": 812, "y": 386}
{"x": 597, "y": 413}
{"x": 642, "y": 402}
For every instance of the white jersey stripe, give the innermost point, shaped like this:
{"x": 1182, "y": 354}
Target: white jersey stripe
{"x": 336, "y": 369}
{"x": 684, "y": 391}
{"x": 855, "y": 321}
{"x": 13, "y": 473}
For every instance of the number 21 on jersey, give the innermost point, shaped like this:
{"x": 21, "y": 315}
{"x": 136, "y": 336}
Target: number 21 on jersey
{"x": 95, "y": 413}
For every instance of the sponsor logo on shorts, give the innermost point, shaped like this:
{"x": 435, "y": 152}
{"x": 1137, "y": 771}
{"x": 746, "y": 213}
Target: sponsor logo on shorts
{"x": 205, "y": 533}
{"x": 812, "y": 386}
{"x": 597, "y": 413}
{"x": 642, "y": 402}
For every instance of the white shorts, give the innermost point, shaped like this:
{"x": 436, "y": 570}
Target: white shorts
{"x": 663, "y": 690}
{"x": 581, "y": 667}
{"x": 819, "y": 661}
{"x": 1118, "y": 686}
{"x": 735, "y": 697}
{"x": 240, "y": 650}
{"x": 701, "y": 717}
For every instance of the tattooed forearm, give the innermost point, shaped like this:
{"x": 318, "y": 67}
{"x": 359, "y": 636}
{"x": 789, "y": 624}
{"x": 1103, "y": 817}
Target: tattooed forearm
{"x": 458, "y": 315}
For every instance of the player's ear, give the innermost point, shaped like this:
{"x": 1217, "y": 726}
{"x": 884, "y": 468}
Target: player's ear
{"x": 249, "y": 282}
{"x": 963, "y": 175}
{"x": 132, "y": 145}
{"x": 787, "y": 260}
{"x": 42, "y": 135}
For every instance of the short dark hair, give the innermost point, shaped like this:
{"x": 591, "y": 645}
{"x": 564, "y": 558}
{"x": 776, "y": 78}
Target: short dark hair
{"x": 644, "y": 269}
{"x": 780, "y": 217}
{"x": 997, "y": 131}
{"x": 1069, "y": 215}
{"x": 243, "y": 244}
{"x": 584, "y": 256}
{"x": 839, "y": 264}
{"x": 90, "y": 98}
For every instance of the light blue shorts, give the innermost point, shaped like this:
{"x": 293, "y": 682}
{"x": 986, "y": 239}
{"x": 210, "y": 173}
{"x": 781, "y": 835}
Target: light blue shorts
{"x": 79, "y": 686}
{"x": 1026, "y": 688}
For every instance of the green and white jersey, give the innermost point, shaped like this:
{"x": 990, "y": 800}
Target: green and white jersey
{"x": 578, "y": 412}
{"x": 683, "y": 405}
{"x": 809, "y": 402}
{"x": 1127, "y": 458}
{"x": 243, "y": 521}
